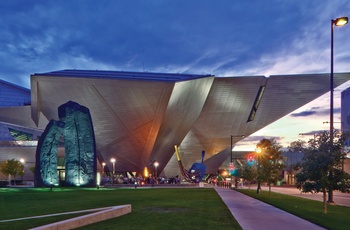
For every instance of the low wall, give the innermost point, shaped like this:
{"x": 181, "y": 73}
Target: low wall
{"x": 108, "y": 213}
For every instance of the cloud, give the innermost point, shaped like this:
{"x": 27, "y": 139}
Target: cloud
{"x": 230, "y": 38}
{"x": 203, "y": 37}
{"x": 303, "y": 114}
{"x": 316, "y": 111}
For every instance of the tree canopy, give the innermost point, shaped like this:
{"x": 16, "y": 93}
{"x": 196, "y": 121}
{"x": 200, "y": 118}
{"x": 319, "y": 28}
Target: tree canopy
{"x": 321, "y": 168}
{"x": 297, "y": 146}
{"x": 269, "y": 161}
{"x": 249, "y": 172}
{"x": 12, "y": 167}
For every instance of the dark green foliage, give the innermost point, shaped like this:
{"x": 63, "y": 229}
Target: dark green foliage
{"x": 321, "y": 168}
{"x": 297, "y": 146}
{"x": 270, "y": 162}
{"x": 249, "y": 172}
{"x": 12, "y": 167}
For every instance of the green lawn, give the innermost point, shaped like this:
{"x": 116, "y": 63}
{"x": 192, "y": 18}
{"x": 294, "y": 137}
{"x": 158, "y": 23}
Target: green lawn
{"x": 157, "y": 208}
{"x": 337, "y": 217}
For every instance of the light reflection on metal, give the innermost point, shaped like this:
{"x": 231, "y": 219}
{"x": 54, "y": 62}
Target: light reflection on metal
{"x": 18, "y": 143}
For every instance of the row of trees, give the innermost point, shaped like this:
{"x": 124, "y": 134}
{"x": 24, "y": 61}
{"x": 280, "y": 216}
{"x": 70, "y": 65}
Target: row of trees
{"x": 12, "y": 168}
{"x": 321, "y": 169}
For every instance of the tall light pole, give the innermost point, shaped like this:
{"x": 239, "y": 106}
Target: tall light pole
{"x": 113, "y": 163}
{"x": 334, "y": 22}
{"x": 103, "y": 167}
{"x": 258, "y": 151}
{"x": 23, "y": 163}
{"x": 156, "y": 166}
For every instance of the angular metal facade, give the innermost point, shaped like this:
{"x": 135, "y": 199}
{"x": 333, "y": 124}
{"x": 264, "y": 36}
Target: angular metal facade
{"x": 139, "y": 117}
{"x": 135, "y": 121}
{"x": 229, "y": 105}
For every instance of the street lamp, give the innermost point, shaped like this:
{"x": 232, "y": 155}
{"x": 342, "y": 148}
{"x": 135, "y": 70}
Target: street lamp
{"x": 113, "y": 163}
{"x": 327, "y": 122}
{"x": 336, "y": 22}
{"x": 156, "y": 166}
{"x": 258, "y": 152}
{"x": 304, "y": 134}
{"x": 23, "y": 163}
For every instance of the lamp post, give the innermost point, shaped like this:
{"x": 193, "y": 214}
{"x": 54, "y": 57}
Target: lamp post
{"x": 258, "y": 151}
{"x": 156, "y": 166}
{"x": 23, "y": 163}
{"x": 337, "y": 22}
{"x": 113, "y": 164}
{"x": 334, "y": 22}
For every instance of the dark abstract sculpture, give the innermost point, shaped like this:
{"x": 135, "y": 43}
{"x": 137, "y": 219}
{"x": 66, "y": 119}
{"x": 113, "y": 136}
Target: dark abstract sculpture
{"x": 46, "y": 155}
{"x": 75, "y": 126}
{"x": 196, "y": 172}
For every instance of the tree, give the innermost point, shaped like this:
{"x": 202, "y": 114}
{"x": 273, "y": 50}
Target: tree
{"x": 321, "y": 168}
{"x": 297, "y": 146}
{"x": 270, "y": 162}
{"x": 12, "y": 167}
{"x": 249, "y": 172}
{"x": 32, "y": 169}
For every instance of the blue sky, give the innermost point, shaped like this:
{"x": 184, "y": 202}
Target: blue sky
{"x": 221, "y": 37}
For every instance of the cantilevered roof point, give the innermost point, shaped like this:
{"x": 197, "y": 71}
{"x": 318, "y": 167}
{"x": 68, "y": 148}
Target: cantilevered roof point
{"x": 106, "y": 74}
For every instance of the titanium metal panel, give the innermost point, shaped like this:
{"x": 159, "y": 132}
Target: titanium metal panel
{"x": 229, "y": 104}
{"x": 133, "y": 119}
{"x": 286, "y": 93}
{"x": 184, "y": 107}
{"x": 123, "y": 112}
{"x": 225, "y": 113}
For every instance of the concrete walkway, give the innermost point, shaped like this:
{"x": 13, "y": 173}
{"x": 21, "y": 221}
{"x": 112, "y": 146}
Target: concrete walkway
{"x": 253, "y": 214}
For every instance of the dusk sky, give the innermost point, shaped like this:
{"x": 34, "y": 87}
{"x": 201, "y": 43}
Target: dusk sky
{"x": 221, "y": 37}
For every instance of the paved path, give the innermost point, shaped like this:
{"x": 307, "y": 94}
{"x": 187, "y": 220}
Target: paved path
{"x": 253, "y": 214}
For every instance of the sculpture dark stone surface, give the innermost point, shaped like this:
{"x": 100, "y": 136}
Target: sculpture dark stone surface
{"x": 79, "y": 142}
{"x": 46, "y": 155}
{"x": 75, "y": 126}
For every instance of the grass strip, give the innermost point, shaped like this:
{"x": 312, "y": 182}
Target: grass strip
{"x": 195, "y": 208}
{"x": 337, "y": 217}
